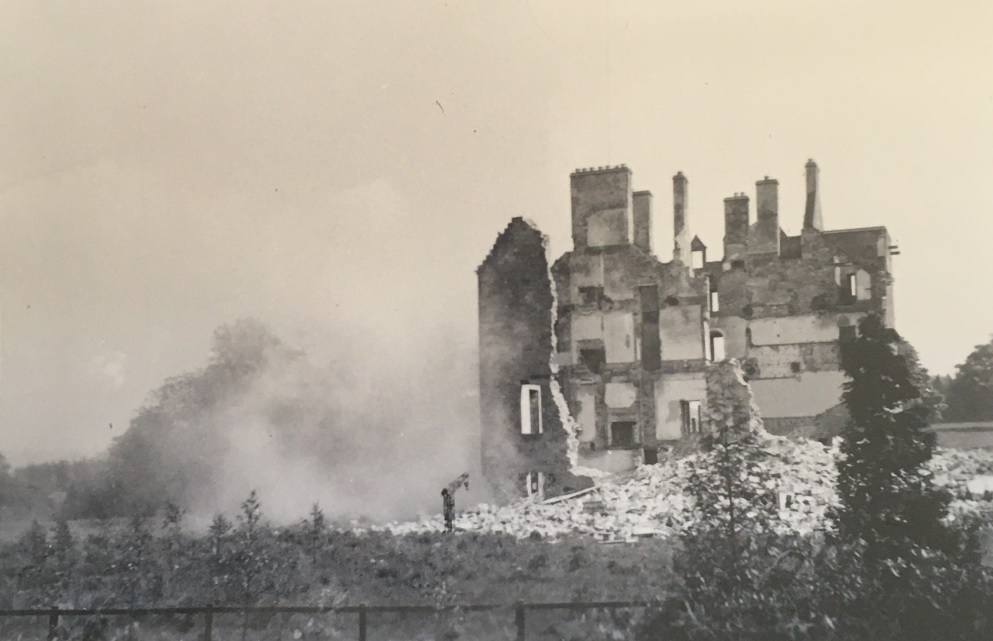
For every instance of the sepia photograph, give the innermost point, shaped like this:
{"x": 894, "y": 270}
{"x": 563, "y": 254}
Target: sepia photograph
{"x": 529, "y": 320}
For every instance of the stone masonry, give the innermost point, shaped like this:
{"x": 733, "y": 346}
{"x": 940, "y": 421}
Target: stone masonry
{"x": 599, "y": 363}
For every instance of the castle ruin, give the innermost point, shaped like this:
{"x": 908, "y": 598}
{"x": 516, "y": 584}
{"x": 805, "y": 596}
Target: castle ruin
{"x": 597, "y": 362}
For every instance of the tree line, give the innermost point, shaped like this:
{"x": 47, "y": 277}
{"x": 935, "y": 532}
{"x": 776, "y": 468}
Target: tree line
{"x": 969, "y": 392}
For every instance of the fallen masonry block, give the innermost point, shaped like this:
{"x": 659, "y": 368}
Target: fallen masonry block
{"x": 595, "y": 507}
{"x": 566, "y": 497}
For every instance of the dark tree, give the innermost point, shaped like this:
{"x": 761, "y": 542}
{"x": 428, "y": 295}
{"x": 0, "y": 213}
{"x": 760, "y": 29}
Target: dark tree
{"x": 171, "y": 544}
{"x": 135, "y": 562}
{"x": 250, "y": 549}
{"x": 970, "y": 392}
{"x": 887, "y": 497}
{"x": 220, "y": 557}
{"x": 316, "y": 531}
{"x": 64, "y": 555}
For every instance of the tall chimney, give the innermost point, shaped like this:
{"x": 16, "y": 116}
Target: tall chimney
{"x": 765, "y": 239}
{"x": 735, "y": 224}
{"x": 812, "y": 214}
{"x": 680, "y": 219}
{"x": 643, "y": 220}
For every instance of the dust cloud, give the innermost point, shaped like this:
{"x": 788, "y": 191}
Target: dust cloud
{"x": 368, "y": 436}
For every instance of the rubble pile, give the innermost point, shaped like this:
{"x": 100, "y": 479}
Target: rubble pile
{"x": 653, "y": 501}
{"x": 962, "y": 472}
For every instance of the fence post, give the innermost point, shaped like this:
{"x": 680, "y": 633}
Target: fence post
{"x": 519, "y": 617}
{"x": 362, "y": 622}
{"x": 53, "y": 624}
{"x": 208, "y": 623}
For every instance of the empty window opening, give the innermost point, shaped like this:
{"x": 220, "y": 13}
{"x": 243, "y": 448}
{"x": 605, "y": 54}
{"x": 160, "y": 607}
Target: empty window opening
{"x": 531, "y": 409}
{"x": 717, "y": 347}
{"x": 849, "y": 289}
{"x": 622, "y": 434}
{"x": 534, "y": 484}
{"x": 737, "y": 264}
{"x": 796, "y": 367}
{"x": 691, "y": 417}
{"x": 593, "y": 358}
{"x": 715, "y": 303}
{"x": 651, "y": 455}
{"x": 671, "y": 301}
{"x": 591, "y": 295}
{"x": 697, "y": 259}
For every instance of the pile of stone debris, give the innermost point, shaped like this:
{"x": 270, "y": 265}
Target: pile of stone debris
{"x": 653, "y": 503}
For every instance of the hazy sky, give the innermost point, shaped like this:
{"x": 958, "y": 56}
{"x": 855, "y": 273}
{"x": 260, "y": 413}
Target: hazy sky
{"x": 339, "y": 169}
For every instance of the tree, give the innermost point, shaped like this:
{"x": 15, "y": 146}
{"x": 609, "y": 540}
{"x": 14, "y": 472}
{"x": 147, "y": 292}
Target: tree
{"x": 250, "y": 551}
{"x": 932, "y": 396}
{"x": 970, "y": 392}
{"x": 887, "y": 496}
{"x": 6, "y": 483}
{"x": 64, "y": 557}
{"x": 729, "y": 482}
{"x": 133, "y": 547}
{"x": 36, "y": 574}
{"x": 316, "y": 531}
{"x": 739, "y": 578}
{"x": 172, "y": 543}
{"x": 218, "y": 532}
{"x": 219, "y": 557}
{"x": 900, "y": 571}
{"x": 172, "y": 522}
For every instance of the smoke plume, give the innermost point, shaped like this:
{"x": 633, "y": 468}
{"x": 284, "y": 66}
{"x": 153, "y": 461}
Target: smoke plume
{"x": 364, "y": 437}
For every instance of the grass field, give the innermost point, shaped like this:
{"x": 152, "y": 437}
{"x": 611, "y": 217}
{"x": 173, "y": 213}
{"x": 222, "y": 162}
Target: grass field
{"x": 382, "y": 569}
{"x": 966, "y": 438}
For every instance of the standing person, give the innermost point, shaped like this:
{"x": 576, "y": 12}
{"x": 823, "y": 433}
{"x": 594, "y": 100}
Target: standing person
{"x": 449, "y": 505}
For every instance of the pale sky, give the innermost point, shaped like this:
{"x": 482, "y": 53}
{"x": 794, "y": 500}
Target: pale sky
{"x": 339, "y": 169}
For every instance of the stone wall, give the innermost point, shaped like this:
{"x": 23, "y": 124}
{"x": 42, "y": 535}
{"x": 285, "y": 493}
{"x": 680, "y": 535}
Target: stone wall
{"x": 621, "y": 299}
{"x": 515, "y": 348}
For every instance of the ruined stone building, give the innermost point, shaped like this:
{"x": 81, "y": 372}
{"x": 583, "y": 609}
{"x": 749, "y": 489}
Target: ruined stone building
{"x": 597, "y": 362}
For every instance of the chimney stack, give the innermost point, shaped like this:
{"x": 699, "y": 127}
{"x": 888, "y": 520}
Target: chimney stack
{"x": 601, "y": 207}
{"x": 643, "y": 220}
{"x": 680, "y": 219}
{"x": 735, "y": 224}
{"x": 812, "y": 214}
{"x": 765, "y": 239}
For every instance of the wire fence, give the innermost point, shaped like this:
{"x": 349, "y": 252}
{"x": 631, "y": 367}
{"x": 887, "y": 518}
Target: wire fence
{"x": 57, "y": 618}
